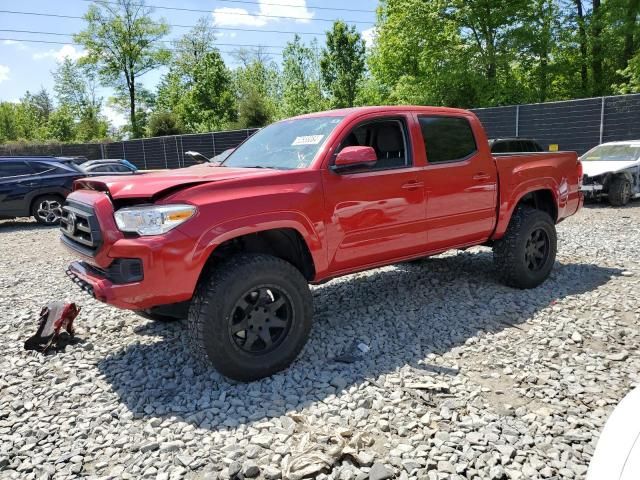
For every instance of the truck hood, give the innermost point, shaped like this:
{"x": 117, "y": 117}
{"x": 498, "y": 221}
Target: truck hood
{"x": 593, "y": 168}
{"x": 152, "y": 185}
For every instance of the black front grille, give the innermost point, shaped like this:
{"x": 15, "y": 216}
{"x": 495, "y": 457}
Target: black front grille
{"x": 80, "y": 228}
{"x": 121, "y": 270}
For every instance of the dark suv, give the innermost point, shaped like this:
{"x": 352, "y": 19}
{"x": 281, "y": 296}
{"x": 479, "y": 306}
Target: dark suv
{"x": 35, "y": 186}
{"x": 514, "y": 145}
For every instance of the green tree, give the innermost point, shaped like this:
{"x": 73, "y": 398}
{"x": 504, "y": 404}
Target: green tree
{"x": 76, "y": 89}
{"x": 122, "y": 40}
{"x": 420, "y": 57}
{"x": 257, "y": 88}
{"x": 301, "y": 89}
{"x": 175, "y": 91}
{"x": 488, "y": 29}
{"x": 253, "y": 110}
{"x": 191, "y": 48}
{"x": 164, "y": 123}
{"x": 61, "y": 125}
{"x": 145, "y": 105}
{"x": 342, "y": 64}
{"x": 8, "y": 122}
{"x": 209, "y": 104}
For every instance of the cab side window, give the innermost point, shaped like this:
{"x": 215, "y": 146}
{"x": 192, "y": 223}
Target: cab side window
{"x": 447, "y": 139}
{"x": 387, "y": 137}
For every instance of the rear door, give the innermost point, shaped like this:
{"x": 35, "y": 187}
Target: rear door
{"x": 17, "y": 182}
{"x": 460, "y": 181}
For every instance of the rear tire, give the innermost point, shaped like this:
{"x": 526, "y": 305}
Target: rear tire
{"x": 619, "y": 191}
{"x": 251, "y": 316}
{"x": 525, "y": 255}
{"x": 47, "y": 209}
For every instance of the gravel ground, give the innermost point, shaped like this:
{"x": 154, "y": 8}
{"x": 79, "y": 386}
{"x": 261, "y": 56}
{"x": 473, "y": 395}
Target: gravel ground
{"x": 464, "y": 378}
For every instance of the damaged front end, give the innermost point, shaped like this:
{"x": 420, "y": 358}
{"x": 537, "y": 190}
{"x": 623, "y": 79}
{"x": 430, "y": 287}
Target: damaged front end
{"x": 592, "y": 187}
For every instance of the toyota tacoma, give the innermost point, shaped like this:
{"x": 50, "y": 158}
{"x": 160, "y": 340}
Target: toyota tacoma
{"x": 233, "y": 247}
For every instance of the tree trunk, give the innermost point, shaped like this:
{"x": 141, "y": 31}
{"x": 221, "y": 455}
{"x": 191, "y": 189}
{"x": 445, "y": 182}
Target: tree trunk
{"x": 582, "y": 34}
{"x": 545, "y": 41}
{"x": 132, "y": 109}
{"x": 629, "y": 29}
{"x": 596, "y": 50}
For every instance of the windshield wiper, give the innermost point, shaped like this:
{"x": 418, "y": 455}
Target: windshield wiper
{"x": 259, "y": 166}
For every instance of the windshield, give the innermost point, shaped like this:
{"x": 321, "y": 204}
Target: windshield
{"x": 614, "y": 153}
{"x": 284, "y": 145}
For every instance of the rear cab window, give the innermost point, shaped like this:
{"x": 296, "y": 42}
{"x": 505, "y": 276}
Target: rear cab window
{"x": 447, "y": 139}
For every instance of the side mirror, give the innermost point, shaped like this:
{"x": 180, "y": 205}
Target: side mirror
{"x": 355, "y": 156}
{"x": 197, "y": 157}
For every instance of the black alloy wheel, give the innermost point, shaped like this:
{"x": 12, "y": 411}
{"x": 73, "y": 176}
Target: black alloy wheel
{"x": 537, "y": 250}
{"x": 261, "y": 319}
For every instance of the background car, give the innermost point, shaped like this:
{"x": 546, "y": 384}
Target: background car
{"x": 77, "y": 159}
{"x": 109, "y": 166}
{"x": 35, "y": 186}
{"x": 199, "y": 158}
{"x": 612, "y": 170}
{"x": 514, "y": 145}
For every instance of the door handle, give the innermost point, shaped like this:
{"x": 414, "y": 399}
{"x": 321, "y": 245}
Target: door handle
{"x": 413, "y": 185}
{"x": 481, "y": 176}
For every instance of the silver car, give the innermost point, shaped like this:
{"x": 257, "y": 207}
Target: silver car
{"x": 612, "y": 170}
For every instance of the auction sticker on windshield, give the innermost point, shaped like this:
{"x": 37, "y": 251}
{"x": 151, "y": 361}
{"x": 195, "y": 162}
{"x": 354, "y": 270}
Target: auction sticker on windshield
{"x": 308, "y": 140}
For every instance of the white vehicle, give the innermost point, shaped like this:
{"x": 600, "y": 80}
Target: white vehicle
{"x": 617, "y": 455}
{"x": 612, "y": 170}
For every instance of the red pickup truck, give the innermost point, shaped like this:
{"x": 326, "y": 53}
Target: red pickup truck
{"x": 234, "y": 247}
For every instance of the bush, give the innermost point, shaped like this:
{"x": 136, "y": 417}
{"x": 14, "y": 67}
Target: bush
{"x": 164, "y": 123}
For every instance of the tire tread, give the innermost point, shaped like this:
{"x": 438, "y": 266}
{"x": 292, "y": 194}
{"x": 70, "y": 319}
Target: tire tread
{"x": 212, "y": 285}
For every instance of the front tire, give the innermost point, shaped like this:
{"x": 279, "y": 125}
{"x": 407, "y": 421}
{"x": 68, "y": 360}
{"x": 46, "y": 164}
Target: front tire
{"x": 47, "y": 209}
{"x": 251, "y": 316}
{"x": 525, "y": 255}
{"x": 619, "y": 191}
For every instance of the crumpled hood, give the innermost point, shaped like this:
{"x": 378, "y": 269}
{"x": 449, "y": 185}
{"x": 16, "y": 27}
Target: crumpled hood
{"x": 151, "y": 185}
{"x": 593, "y": 168}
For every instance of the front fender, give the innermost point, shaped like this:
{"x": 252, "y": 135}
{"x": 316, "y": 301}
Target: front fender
{"x": 312, "y": 234}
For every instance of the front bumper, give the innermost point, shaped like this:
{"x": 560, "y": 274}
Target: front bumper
{"x": 133, "y": 273}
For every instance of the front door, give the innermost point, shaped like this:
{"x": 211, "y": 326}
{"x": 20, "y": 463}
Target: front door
{"x": 375, "y": 214}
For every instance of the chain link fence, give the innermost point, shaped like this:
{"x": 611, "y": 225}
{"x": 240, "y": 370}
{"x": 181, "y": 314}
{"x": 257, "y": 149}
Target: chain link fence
{"x": 147, "y": 153}
{"x": 576, "y": 125}
{"x": 572, "y": 125}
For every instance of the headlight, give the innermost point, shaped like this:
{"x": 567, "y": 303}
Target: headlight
{"x": 153, "y": 219}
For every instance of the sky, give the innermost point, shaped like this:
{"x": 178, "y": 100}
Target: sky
{"x": 27, "y": 65}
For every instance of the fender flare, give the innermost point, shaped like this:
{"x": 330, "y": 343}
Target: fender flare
{"x": 237, "y": 227}
{"x": 508, "y": 206}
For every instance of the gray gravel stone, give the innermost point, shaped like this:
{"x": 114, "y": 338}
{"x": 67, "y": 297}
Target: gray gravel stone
{"x": 464, "y": 378}
{"x": 379, "y": 472}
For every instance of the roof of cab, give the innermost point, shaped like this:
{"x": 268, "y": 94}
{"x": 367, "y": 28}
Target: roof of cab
{"x": 357, "y": 111}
